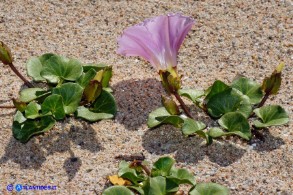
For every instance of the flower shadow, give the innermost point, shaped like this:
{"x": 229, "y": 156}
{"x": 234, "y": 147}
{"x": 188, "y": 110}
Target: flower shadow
{"x": 135, "y": 100}
{"x": 34, "y": 153}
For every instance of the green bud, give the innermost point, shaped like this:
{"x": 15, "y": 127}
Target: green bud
{"x": 21, "y": 106}
{"x": 170, "y": 105}
{"x": 5, "y": 54}
{"x": 107, "y": 74}
{"x": 271, "y": 85}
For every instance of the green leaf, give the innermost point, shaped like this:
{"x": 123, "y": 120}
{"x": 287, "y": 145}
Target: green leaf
{"x": 271, "y": 115}
{"x": 181, "y": 176}
{"x": 117, "y": 190}
{"x": 30, "y": 94}
{"x": 171, "y": 186}
{"x": 172, "y": 119}
{"x": 209, "y": 189}
{"x": 58, "y": 68}
{"x": 152, "y": 121}
{"x": 96, "y": 67}
{"x": 235, "y": 122}
{"x": 162, "y": 116}
{"x": 216, "y": 132}
{"x": 155, "y": 186}
{"x": 35, "y": 65}
{"x": 128, "y": 173}
{"x": 54, "y": 104}
{"x": 32, "y": 110}
{"x": 137, "y": 188}
{"x": 85, "y": 113}
{"x": 105, "y": 103}
{"x": 71, "y": 94}
{"x": 223, "y": 102}
{"x": 24, "y": 130}
{"x": 191, "y": 94}
{"x": 85, "y": 78}
{"x": 191, "y": 126}
{"x": 216, "y": 88}
{"x": 18, "y": 117}
{"x": 249, "y": 88}
{"x": 162, "y": 166}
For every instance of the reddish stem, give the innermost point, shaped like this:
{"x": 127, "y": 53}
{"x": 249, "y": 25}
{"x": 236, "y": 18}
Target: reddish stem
{"x": 7, "y": 107}
{"x": 182, "y": 104}
{"x": 26, "y": 82}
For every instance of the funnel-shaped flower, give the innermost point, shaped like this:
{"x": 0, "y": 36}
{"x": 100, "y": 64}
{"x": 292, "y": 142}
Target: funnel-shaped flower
{"x": 157, "y": 40}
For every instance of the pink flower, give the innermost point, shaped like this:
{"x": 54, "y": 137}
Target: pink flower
{"x": 157, "y": 40}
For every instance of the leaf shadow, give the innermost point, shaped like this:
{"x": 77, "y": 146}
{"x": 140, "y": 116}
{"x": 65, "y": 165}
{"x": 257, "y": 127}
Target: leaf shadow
{"x": 136, "y": 99}
{"x": 267, "y": 143}
{"x": 167, "y": 139}
{"x": 35, "y": 152}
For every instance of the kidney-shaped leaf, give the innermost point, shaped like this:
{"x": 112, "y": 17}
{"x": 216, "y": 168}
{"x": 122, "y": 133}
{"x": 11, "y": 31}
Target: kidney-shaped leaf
{"x": 85, "y": 78}
{"x": 54, "y": 104}
{"x": 223, "y": 102}
{"x": 23, "y": 129}
{"x": 209, "y": 189}
{"x": 174, "y": 120}
{"x": 35, "y": 65}
{"x": 162, "y": 116}
{"x": 271, "y": 115}
{"x": 152, "y": 122}
{"x": 162, "y": 166}
{"x": 236, "y": 122}
{"x": 117, "y": 190}
{"x": 105, "y": 103}
{"x": 155, "y": 186}
{"x": 71, "y": 94}
{"x": 129, "y": 173}
{"x": 30, "y": 94}
{"x": 181, "y": 176}
{"x": 191, "y": 94}
{"x": 85, "y": 113}
{"x": 217, "y": 87}
{"x": 32, "y": 110}
{"x": 191, "y": 126}
{"x": 249, "y": 88}
{"x": 58, "y": 68}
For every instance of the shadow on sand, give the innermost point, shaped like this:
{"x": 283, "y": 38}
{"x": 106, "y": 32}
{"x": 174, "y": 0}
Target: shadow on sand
{"x": 33, "y": 154}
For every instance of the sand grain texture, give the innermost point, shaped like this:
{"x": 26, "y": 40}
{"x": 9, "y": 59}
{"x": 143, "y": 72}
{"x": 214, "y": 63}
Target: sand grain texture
{"x": 230, "y": 37}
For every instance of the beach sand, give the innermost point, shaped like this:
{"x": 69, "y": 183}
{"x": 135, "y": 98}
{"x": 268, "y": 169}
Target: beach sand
{"x": 230, "y": 37}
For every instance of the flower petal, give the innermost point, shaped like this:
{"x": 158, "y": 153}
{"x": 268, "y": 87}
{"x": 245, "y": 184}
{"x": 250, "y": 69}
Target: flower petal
{"x": 156, "y": 40}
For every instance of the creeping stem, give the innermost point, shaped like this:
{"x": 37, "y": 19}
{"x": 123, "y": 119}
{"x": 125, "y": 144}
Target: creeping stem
{"x": 182, "y": 104}
{"x": 8, "y": 107}
{"x": 264, "y": 99}
{"x": 27, "y": 83}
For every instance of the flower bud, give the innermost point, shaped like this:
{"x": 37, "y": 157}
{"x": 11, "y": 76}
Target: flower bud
{"x": 170, "y": 105}
{"x": 5, "y": 54}
{"x": 271, "y": 85}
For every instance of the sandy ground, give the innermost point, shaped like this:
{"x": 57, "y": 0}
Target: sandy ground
{"x": 246, "y": 37}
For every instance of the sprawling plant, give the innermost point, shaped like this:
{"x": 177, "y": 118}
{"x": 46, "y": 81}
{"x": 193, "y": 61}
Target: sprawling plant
{"x": 69, "y": 88}
{"x": 232, "y": 105}
{"x": 162, "y": 179}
